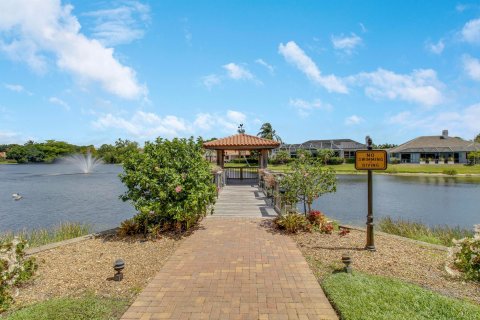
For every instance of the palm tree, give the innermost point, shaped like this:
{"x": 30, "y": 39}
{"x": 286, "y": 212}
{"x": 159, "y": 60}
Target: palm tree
{"x": 267, "y": 132}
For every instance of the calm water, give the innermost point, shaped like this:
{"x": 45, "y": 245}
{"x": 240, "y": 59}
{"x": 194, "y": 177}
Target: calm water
{"x": 431, "y": 200}
{"x": 56, "y": 193}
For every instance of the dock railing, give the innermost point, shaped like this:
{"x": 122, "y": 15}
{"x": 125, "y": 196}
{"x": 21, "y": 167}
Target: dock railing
{"x": 269, "y": 183}
{"x": 219, "y": 179}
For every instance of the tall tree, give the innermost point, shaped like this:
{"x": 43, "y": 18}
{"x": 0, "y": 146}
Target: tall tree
{"x": 267, "y": 132}
{"x": 477, "y": 138}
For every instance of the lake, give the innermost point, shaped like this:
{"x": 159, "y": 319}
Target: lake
{"x": 431, "y": 200}
{"x": 57, "y": 193}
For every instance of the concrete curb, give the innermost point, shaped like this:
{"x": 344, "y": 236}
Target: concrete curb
{"x": 49, "y": 246}
{"x": 425, "y": 244}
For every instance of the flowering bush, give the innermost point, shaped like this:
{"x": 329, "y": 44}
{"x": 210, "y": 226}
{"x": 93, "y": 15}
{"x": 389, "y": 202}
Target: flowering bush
{"x": 467, "y": 255}
{"x": 14, "y": 268}
{"x": 169, "y": 183}
{"x": 320, "y": 222}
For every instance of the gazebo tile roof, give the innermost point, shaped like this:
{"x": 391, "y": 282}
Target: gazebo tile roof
{"x": 241, "y": 140}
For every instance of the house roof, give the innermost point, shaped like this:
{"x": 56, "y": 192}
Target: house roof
{"x": 241, "y": 141}
{"x": 333, "y": 144}
{"x": 436, "y": 144}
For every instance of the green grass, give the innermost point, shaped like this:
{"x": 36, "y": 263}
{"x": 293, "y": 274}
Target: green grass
{"x": 392, "y": 168}
{"x": 442, "y": 235}
{"x": 89, "y": 307}
{"x": 39, "y": 237}
{"x": 367, "y": 297}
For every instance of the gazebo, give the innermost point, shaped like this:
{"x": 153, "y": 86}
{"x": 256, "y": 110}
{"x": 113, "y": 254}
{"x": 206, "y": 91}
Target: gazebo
{"x": 242, "y": 142}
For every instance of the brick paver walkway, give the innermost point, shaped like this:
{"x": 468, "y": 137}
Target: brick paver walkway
{"x": 234, "y": 268}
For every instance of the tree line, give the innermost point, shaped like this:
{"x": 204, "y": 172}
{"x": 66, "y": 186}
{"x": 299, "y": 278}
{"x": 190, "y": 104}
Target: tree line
{"x": 51, "y": 150}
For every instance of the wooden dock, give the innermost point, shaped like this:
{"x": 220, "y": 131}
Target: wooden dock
{"x": 243, "y": 200}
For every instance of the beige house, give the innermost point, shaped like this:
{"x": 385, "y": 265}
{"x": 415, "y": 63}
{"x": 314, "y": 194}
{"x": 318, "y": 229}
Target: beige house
{"x": 434, "y": 149}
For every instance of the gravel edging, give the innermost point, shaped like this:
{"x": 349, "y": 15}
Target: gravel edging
{"x": 418, "y": 242}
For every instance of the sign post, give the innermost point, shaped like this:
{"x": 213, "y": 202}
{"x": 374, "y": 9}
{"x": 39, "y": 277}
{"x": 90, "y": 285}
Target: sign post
{"x": 370, "y": 160}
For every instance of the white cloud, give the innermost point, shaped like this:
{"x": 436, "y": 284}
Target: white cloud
{"x": 353, "y": 119}
{"x": 32, "y": 31}
{"x": 145, "y": 125}
{"x": 211, "y": 80}
{"x": 261, "y": 62}
{"x": 16, "y": 88}
{"x": 400, "y": 118}
{"x": 362, "y": 27}
{"x": 421, "y": 86}
{"x": 296, "y": 56}
{"x": 59, "y": 102}
{"x": 463, "y": 123}
{"x": 228, "y": 122}
{"x": 346, "y": 43}
{"x": 120, "y": 25}
{"x": 461, "y": 7}
{"x": 436, "y": 48}
{"x": 238, "y": 72}
{"x": 148, "y": 125}
{"x": 7, "y": 137}
{"x": 471, "y": 31}
{"x": 471, "y": 67}
{"x": 204, "y": 121}
{"x": 304, "y": 107}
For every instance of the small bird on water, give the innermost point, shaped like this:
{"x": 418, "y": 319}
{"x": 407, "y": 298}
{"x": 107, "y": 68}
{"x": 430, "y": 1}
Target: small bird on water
{"x": 16, "y": 196}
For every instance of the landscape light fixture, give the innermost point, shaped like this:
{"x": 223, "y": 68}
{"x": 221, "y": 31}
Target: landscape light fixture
{"x": 347, "y": 260}
{"x": 118, "y": 266}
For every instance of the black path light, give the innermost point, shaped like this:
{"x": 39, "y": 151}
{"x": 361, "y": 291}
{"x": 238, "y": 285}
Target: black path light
{"x": 118, "y": 266}
{"x": 347, "y": 260}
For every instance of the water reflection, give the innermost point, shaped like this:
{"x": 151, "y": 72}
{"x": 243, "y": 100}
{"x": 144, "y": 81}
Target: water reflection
{"x": 433, "y": 200}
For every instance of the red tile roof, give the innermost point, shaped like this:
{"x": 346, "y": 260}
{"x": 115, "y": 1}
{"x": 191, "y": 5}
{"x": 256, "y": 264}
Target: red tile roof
{"x": 241, "y": 141}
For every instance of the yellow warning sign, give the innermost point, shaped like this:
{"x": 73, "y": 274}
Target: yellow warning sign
{"x": 371, "y": 160}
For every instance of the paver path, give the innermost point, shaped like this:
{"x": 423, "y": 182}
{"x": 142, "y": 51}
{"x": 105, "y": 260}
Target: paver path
{"x": 234, "y": 268}
{"x": 242, "y": 201}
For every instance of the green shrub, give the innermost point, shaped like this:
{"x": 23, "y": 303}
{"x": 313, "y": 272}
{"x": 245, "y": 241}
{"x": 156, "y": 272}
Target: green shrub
{"x": 394, "y": 160}
{"x": 350, "y": 160}
{"x": 450, "y": 172}
{"x": 170, "y": 182}
{"x": 335, "y": 160}
{"x": 292, "y": 222}
{"x": 467, "y": 258}
{"x": 14, "y": 268}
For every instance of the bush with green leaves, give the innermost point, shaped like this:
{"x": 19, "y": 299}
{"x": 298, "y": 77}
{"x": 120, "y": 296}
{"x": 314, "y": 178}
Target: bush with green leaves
{"x": 169, "y": 183}
{"x": 14, "y": 269}
{"x": 467, "y": 256}
{"x": 306, "y": 180}
{"x": 335, "y": 160}
{"x": 293, "y": 222}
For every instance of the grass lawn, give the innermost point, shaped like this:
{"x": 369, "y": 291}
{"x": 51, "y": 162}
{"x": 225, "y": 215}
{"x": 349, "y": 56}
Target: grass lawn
{"x": 361, "y": 296}
{"x": 89, "y": 307}
{"x": 392, "y": 168}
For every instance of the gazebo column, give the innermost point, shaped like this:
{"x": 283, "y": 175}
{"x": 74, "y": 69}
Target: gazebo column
{"x": 263, "y": 159}
{"x": 220, "y": 158}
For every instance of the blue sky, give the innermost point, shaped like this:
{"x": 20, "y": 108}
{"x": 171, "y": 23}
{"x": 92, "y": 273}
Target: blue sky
{"x": 92, "y": 72}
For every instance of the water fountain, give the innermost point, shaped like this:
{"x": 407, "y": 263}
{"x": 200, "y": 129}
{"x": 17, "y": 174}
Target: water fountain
{"x": 86, "y": 162}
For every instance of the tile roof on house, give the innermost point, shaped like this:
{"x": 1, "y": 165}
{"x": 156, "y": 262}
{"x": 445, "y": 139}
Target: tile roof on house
{"x": 436, "y": 144}
{"x": 241, "y": 141}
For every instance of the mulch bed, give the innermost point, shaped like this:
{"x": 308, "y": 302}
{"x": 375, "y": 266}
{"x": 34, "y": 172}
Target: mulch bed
{"x": 395, "y": 257}
{"x": 87, "y": 266}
